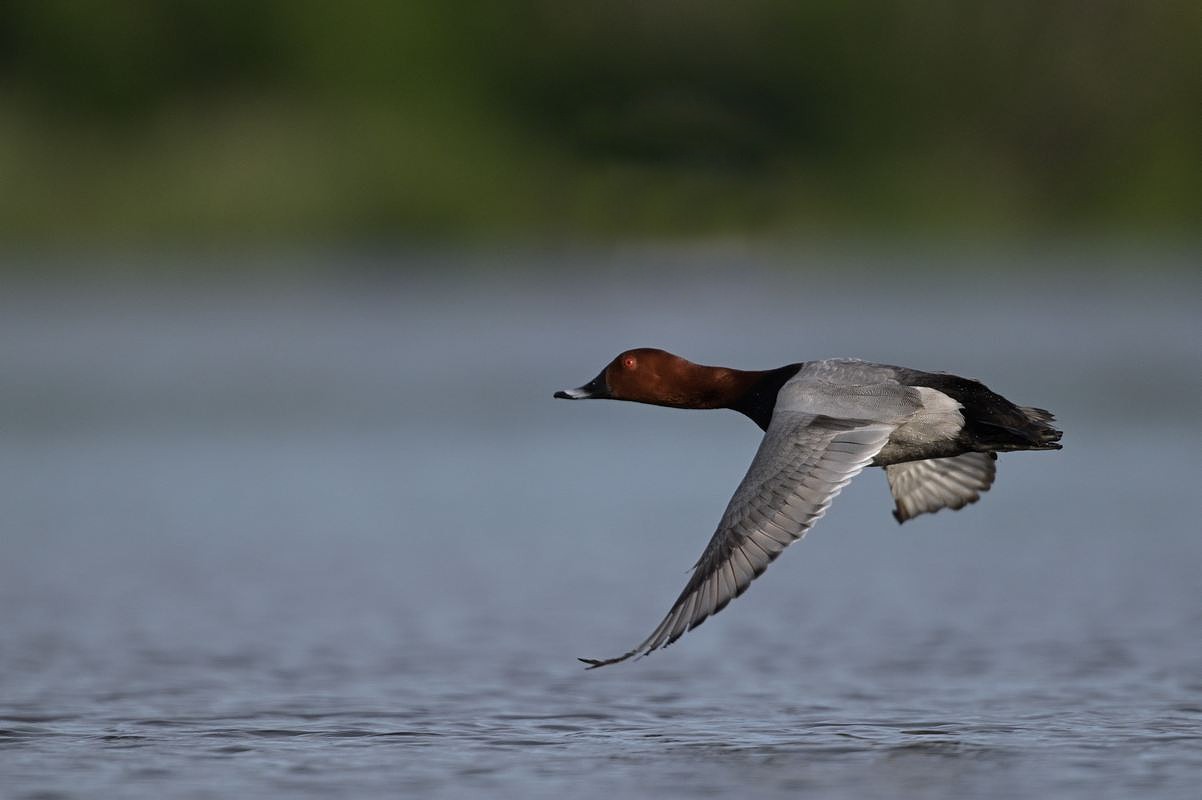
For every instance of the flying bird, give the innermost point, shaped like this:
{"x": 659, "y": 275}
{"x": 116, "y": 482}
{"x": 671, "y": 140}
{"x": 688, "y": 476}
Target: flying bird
{"x": 937, "y": 436}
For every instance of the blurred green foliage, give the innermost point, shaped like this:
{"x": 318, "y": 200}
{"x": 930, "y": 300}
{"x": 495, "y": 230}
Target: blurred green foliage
{"x": 159, "y": 120}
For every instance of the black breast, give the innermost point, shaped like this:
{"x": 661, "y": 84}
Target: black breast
{"x": 760, "y": 401}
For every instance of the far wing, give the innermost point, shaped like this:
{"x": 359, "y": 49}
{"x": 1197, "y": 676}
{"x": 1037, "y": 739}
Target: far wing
{"x": 803, "y": 462}
{"x": 921, "y": 487}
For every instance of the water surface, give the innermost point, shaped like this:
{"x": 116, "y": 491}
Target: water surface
{"x": 335, "y": 538}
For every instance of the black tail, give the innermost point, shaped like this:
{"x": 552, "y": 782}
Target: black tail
{"x": 991, "y": 422}
{"x": 1041, "y": 428}
{"x": 1016, "y": 428}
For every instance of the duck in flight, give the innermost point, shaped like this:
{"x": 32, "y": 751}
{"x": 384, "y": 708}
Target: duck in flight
{"x": 937, "y": 436}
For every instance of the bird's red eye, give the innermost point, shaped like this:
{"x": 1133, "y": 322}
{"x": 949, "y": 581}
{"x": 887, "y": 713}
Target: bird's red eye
{"x": 628, "y": 362}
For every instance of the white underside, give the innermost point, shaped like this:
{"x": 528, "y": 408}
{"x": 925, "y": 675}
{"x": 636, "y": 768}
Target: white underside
{"x": 938, "y": 419}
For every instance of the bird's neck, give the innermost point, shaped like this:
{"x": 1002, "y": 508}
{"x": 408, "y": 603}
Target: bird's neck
{"x": 750, "y": 392}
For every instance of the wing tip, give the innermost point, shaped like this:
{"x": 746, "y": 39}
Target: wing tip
{"x": 594, "y": 663}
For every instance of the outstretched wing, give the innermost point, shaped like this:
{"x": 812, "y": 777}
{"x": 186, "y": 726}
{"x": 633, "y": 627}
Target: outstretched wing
{"x": 921, "y": 487}
{"x": 803, "y": 462}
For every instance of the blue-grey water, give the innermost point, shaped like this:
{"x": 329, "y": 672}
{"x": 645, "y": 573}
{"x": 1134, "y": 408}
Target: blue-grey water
{"x": 332, "y": 537}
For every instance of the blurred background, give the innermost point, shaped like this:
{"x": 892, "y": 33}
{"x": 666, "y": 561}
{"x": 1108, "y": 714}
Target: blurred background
{"x": 139, "y": 122}
{"x": 286, "y": 288}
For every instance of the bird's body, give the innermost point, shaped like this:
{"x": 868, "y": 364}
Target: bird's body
{"x": 936, "y": 435}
